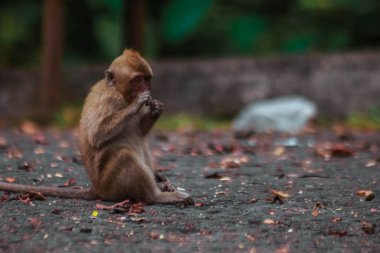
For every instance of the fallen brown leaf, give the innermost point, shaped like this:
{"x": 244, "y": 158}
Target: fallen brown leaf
{"x": 26, "y": 166}
{"x": 280, "y": 194}
{"x": 70, "y": 182}
{"x": 29, "y": 127}
{"x": 338, "y": 233}
{"x": 316, "y": 208}
{"x": 368, "y": 228}
{"x": 370, "y": 163}
{"x": 40, "y": 138}
{"x": 231, "y": 162}
{"x": 279, "y": 151}
{"x": 136, "y": 208}
{"x": 340, "y": 150}
{"x": 125, "y": 206}
{"x": 14, "y": 153}
{"x": 36, "y": 196}
{"x": 154, "y": 235}
{"x": 3, "y": 142}
{"x": 39, "y": 150}
{"x": 35, "y": 223}
{"x": 215, "y": 175}
{"x": 368, "y": 195}
{"x": 10, "y": 179}
{"x": 269, "y": 222}
{"x": 336, "y": 219}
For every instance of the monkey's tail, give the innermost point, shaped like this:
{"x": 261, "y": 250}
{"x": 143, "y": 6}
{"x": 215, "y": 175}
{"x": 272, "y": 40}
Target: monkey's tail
{"x": 69, "y": 193}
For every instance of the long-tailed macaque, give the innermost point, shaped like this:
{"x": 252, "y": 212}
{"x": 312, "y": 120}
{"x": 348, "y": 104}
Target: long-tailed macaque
{"x": 117, "y": 115}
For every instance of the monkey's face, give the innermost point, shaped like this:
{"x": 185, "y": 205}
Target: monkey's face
{"x": 130, "y": 85}
{"x": 130, "y": 74}
{"x": 137, "y": 83}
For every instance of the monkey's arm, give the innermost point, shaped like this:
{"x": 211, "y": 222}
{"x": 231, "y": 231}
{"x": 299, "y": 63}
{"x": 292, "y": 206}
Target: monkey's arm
{"x": 149, "y": 119}
{"x": 113, "y": 125}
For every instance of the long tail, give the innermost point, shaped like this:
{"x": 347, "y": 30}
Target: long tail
{"x": 69, "y": 193}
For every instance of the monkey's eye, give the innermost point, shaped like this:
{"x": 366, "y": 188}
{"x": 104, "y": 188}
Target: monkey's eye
{"x": 137, "y": 80}
{"x": 147, "y": 79}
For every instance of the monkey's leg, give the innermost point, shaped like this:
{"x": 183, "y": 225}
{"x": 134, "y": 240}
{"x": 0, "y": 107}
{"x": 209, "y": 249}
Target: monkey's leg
{"x": 134, "y": 180}
{"x": 162, "y": 182}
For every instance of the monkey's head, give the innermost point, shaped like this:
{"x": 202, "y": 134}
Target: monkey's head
{"x": 129, "y": 74}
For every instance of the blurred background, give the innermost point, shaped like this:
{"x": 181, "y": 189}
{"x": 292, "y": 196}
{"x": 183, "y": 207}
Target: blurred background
{"x": 211, "y": 58}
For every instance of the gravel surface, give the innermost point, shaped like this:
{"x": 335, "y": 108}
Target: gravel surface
{"x": 264, "y": 193}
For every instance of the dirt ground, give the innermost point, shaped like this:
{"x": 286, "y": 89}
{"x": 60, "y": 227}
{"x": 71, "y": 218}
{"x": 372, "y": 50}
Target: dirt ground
{"x": 263, "y": 193}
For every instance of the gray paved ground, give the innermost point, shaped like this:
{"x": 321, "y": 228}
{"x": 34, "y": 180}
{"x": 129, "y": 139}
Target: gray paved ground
{"x": 231, "y": 181}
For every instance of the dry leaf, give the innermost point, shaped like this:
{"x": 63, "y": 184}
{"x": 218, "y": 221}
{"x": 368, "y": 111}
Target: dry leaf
{"x": 368, "y": 228}
{"x": 39, "y": 150}
{"x": 370, "y": 163}
{"x": 35, "y": 223}
{"x": 63, "y": 144}
{"x": 230, "y": 162}
{"x": 215, "y": 175}
{"x": 3, "y": 142}
{"x": 269, "y": 222}
{"x": 36, "y": 196}
{"x": 28, "y": 127}
{"x": 315, "y": 212}
{"x": 40, "y": 139}
{"x": 14, "y": 153}
{"x": 70, "y": 182}
{"x": 26, "y": 166}
{"x": 337, "y": 233}
{"x": 10, "y": 179}
{"x": 280, "y": 194}
{"x": 138, "y": 219}
{"x": 334, "y": 150}
{"x": 250, "y": 238}
{"x": 279, "y": 151}
{"x": 367, "y": 194}
{"x": 336, "y": 219}
{"x": 155, "y": 235}
{"x": 136, "y": 208}
{"x": 225, "y": 179}
{"x": 58, "y": 175}
{"x": 104, "y": 207}
{"x": 316, "y": 208}
{"x": 340, "y": 150}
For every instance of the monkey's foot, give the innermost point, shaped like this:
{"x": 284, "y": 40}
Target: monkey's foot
{"x": 186, "y": 199}
{"x": 166, "y": 186}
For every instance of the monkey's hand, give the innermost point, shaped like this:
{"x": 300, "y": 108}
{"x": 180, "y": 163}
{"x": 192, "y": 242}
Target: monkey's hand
{"x": 156, "y": 107}
{"x": 141, "y": 99}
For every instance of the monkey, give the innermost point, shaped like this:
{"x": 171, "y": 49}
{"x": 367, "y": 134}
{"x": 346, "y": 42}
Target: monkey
{"x": 116, "y": 118}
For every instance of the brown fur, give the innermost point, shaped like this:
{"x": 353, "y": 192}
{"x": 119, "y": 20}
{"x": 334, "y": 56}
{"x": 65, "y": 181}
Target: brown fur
{"x": 117, "y": 115}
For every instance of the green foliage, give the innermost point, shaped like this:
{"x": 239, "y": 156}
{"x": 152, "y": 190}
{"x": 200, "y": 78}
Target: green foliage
{"x": 68, "y": 116}
{"x": 366, "y": 121}
{"x": 181, "y": 17}
{"x": 194, "y": 28}
{"x": 186, "y": 121}
{"x": 19, "y": 40}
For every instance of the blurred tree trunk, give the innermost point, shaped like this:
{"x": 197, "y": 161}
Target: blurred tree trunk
{"x": 133, "y": 24}
{"x": 52, "y": 41}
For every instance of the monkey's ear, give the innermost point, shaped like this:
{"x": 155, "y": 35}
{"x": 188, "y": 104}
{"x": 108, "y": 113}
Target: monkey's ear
{"x": 110, "y": 79}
